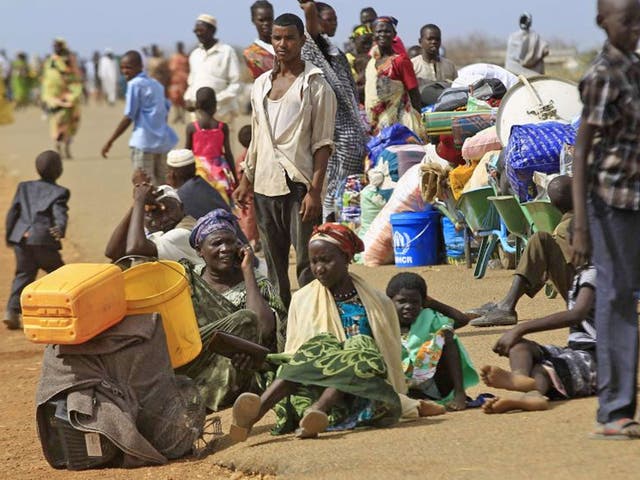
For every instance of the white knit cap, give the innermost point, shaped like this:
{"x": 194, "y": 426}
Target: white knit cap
{"x": 180, "y": 158}
{"x": 210, "y": 19}
{"x": 167, "y": 191}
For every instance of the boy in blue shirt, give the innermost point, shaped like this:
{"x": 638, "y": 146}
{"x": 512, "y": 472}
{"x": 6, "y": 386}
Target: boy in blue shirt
{"x": 606, "y": 199}
{"x": 148, "y": 109}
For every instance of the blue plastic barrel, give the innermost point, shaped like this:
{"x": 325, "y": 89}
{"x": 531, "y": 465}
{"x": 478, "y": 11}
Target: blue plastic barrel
{"x": 415, "y": 238}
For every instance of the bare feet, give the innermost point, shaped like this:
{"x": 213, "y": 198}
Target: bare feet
{"x": 427, "y": 408}
{"x": 497, "y": 377}
{"x": 530, "y": 402}
{"x": 458, "y": 403}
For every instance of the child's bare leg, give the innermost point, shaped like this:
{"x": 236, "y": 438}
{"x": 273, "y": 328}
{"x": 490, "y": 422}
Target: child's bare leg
{"x": 448, "y": 374}
{"x": 540, "y": 375}
{"x": 530, "y": 402}
{"x": 522, "y": 358}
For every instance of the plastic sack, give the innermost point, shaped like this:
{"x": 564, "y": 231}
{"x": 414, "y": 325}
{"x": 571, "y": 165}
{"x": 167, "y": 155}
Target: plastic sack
{"x": 452, "y": 99}
{"x": 406, "y": 197}
{"x": 453, "y": 239}
{"x": 534, "y": 147}
{"x": 474, "y": 148}
{"x": 372, "y": 200}
{"x": 396, "y": 134}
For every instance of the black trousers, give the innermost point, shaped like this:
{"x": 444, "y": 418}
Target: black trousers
{"x": 30, "y": 259}
{"x": 280, "y": 225}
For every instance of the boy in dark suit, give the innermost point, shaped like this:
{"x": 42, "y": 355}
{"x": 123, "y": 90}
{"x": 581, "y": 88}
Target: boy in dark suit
{"x": 36, "y": 221}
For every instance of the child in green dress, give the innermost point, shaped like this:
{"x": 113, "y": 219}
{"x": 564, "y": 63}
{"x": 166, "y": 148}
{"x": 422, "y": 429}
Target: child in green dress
{"x": 435, "y": 363}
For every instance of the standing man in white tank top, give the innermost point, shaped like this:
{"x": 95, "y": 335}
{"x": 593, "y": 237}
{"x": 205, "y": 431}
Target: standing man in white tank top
{"x": 293, "y": 123}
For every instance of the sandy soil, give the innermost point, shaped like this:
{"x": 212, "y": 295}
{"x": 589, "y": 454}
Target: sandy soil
{"x": 463, "y": 445}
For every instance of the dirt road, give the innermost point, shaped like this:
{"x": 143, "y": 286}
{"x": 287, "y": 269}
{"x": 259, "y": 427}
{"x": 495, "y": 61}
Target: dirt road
{"x": 465, "y": 445}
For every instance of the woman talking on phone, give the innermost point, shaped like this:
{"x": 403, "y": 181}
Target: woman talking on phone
{"x": 230, "y": 296}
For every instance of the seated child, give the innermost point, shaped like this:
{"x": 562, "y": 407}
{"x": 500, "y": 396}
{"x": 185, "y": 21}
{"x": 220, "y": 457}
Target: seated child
{"x": 548, "y": 370}
{"x": 435, "y": 363}
{"x": 209, "y": 141}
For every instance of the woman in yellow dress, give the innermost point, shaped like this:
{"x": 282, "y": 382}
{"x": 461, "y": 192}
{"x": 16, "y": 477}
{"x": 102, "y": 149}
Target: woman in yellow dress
{"x": 61, "y": 93}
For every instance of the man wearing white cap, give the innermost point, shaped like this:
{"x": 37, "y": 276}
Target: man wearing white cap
{"x": 197, "y": 195}
{"x": 213, "y": 64}
{"x": 155, "y": 226}
{"x": 108, "y": 74}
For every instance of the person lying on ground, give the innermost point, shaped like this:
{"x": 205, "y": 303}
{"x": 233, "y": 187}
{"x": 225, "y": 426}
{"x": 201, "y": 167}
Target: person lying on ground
{"x": 155, "y": 226}
{"x": 342, "y": 365}
{"x": 546, "y": 257}
{"x": 434, "y": 361}
{"x": 229, "y": 295}
{"x": 541, "y": 371}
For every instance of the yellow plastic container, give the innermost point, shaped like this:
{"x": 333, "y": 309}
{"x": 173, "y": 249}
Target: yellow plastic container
{"x": 73, "y": 304}
{"x": 162, "y": 287}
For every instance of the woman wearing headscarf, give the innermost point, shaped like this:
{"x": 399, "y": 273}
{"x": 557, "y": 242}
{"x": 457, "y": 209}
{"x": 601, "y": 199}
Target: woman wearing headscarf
{"x": 230, "y": 296}
{"x": 342, "y": 365}
{"x": 391, "y": 87}
{"x": 349, "y": 136}
{"x": 61, "y": 93}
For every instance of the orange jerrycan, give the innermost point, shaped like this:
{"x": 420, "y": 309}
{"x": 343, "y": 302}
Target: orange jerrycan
{"x": 73, "y": 303}
{"x": 162, "y": 287}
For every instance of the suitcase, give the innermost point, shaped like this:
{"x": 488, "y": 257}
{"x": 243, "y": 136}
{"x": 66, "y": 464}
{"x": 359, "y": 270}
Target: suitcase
{"x": 73, "y": 304}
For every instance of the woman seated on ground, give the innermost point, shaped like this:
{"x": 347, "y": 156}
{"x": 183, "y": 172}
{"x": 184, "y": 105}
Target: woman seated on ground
{"x": 230, "y": 296}
{"x": 391, "y": 87}
{"x": 342, "y": 353}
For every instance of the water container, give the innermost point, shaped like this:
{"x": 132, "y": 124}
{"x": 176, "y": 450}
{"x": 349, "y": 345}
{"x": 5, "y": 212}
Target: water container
{"x": 73, "y": 303}
{"x": 415, "y": 238}
{"x": 162, "y": 287}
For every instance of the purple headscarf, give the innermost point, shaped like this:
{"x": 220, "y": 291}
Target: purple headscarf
{"x": 214, "y": 221}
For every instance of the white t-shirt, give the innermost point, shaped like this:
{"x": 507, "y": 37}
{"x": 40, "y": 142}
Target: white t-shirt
{"x": 174, "y": 245}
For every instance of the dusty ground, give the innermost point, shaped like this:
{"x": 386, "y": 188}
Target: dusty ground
{"x": 469, "y": 444}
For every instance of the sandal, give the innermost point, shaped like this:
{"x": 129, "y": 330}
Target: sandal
{"x": 313, "y": 422}
{"x": 482, "y": 309}
{"x": 622, "y": 429}
{"x": 245, "y": 410}
{"x": 495, "y": 318}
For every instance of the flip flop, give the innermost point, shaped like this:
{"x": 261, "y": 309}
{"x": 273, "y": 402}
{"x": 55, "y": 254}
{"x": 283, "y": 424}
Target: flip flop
{"x": 313, "y": 422}
{"x": 479, "y": 401}
{"x": 616, "y": 430}
{"x": 482, "y": 309}
{"x": 495, "y": 318}
{"x": 245, "y": 410}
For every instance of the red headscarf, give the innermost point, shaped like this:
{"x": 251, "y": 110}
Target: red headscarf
{"x": 339, "y": 235}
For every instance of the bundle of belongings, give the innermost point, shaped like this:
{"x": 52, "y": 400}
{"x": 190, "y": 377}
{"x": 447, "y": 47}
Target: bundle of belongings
{"x": 108, "y": 395}
{"x": 115, "y": 401}
{"x": 460, "y": 113}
